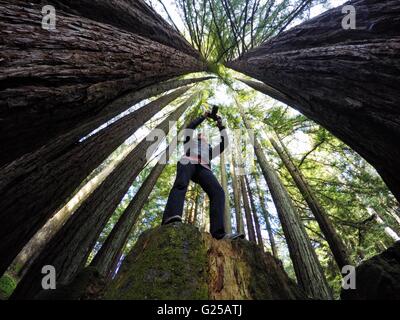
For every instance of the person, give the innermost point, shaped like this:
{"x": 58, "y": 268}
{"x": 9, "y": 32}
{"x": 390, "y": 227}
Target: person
{"x": 195, "y": 165}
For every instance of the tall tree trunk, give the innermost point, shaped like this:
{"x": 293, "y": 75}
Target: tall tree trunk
{"x": 224, "y": 183}
{"x": 31, "y": 194}
{"x": 115, "y": 108}
{"x": 35, "y": 245}
{"x": 134, "y": 16}
{"x": 196, "y": 206}
{"x": 205, "y": 222}
{"x": 112, "y": 248}
{"x": 247, "y": 210}
{"x": 346, "y": 80}
{"x": 266, "y": 218}
{"x": 336, "y": 245}
{"x": 308, "y": 270}
{"x": 70, "y": 248}
{"x": 236, "y": 196}
{"x": 71, "y": 74}
{"x": 255, "y": 216}
{"x": 189, "y": 204}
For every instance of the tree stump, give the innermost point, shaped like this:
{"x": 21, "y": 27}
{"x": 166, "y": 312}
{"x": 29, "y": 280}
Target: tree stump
{"x": 178, "y": 261}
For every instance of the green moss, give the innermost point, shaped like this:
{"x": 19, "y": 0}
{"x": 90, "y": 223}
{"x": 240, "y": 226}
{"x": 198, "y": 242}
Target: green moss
{"x": 168, "y": 262}
{"x": 7, "y": 286}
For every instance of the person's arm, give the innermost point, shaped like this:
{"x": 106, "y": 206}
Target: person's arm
{"x": 217, "y": 150}
{"x": 193, "y": 125}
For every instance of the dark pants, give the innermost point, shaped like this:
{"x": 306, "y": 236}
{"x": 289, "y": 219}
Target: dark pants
{"x": 206, "y": 179}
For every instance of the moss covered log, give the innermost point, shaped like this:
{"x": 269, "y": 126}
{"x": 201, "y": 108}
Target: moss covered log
{"x": 179, "y": 262}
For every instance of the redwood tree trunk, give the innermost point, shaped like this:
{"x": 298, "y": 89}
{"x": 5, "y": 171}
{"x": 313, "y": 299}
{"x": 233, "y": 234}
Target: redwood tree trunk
{"x": 266, "y": 219}
{"x": 255, "y": 216}
{"x": 236, "y": 196}
{"x": 224, "y": 183}
{"x": 247, "y": 211}
{"x": 69, "y": 249}
{"x": 32, "y": 193}
{"x": 308, "y": 270}
{"x": 134, "y": 16}
{"x": 346, "y": 80}
{"x": 336, "y": 245}
{"x": 53, "y": 81}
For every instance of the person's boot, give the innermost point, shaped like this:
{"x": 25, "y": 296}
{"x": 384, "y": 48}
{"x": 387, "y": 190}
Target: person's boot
{"x": 172, "y": 220}
{"x": 233, "y": 236}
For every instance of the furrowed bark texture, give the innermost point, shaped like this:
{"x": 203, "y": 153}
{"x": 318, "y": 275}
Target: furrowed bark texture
{"x": 69, "y": 250}
{"x": 53, "y": 81}
{"x": 346, "y": 80}
{"x": 336, "y": 245}
{"x": 134, "y": 16}
{"x": 308, "y": 270}
{"x": 31, "y": 194}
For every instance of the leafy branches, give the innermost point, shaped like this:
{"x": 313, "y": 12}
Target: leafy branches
{"x": 222, "y": 30}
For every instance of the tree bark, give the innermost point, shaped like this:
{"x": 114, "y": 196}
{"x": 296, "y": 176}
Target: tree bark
{"x": 308, "y": 270}
{"x": 336, "y": 245}
{"x": 254, "y": 210}
{"x": 53, "y": 81}
{"x": 31, "y": 194}
{"x": 197, "y": 205}
{"x": 134, "y": 16}
{"x": 111, "y": 110}
{"x": 224, "y": 183}
{"x": 266, "y": 219}
{"x": 70, "y": 248}
{"x": 345, "y": 80}
{"x": 247, "y": 211}
{"x": 236, "y": 197}
{"x": 35, "y": 245}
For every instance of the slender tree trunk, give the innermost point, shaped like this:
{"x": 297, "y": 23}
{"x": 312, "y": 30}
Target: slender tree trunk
{"x": 115, "y": 108}
{"x": 71, "y": 74}
{"x": 32, "y": 249}
{"x": 254, "y": 210}
{"x": 266, "y": 219}
{"x": 349, "y": 85}
{"x": 308, "y": 270}
{"x": 224, "y": 183}
{"x": 115, "y": 242}
{"x": 31, "y": 194}
{"x": 69, "y": 249}
{"x": 189, "y": 204}
{"x": 247, "y": 211}
{"x": 336, "y": 245}
{"x": 236, "y": 196}
{"x": 205, "y": 214}
{"x": 196, "y": 206}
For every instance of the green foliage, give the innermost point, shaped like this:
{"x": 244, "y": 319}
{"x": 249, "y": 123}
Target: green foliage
{"x": 7, "y": 286}
{"x": 222, "y": 30}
